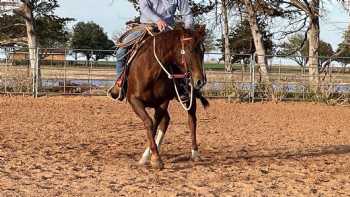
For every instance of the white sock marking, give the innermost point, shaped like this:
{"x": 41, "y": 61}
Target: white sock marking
{"x": 159, "y": 139}
{"x": 147, "y": 154}
{"x": 195, "y": 154}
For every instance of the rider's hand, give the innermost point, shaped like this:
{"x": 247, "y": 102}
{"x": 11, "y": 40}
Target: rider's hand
{"x": 161, "y": 24}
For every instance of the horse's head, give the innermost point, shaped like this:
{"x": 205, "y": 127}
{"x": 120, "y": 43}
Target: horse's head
{"x": 192, "y": 54}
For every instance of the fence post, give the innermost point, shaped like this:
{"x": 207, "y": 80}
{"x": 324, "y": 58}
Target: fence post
{"x": 253, "y": 90}
{"x": 37, "y": 72}
{"x": 279, "y": 71}
{"x": 6, "y": 69}
{"x": 252, "y": 77}
{"x": 302, "y": 81}
{"x": 90, "y": 68}
{"x": 65, "y": 71}
{"x": 33, "y": 74}
{"x": 331, "y": 76}
{"x": 330, "y": 71}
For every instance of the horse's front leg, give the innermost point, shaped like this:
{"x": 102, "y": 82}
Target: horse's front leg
{"x": 192, "y": 122}
{"x": 161, "y": 118}
{"x": 140, "y": 110}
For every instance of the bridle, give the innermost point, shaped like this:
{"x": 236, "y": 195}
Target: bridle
{"x": 187, "y": 75}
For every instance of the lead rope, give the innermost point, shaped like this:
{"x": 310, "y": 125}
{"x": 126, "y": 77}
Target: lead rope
{"x": 171, "y": 77}
{"x": 160, "y": 63}
{"x": 179, "y": 98}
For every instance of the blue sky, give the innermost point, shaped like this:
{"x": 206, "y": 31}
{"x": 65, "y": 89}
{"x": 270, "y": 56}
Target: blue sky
{"x": 112, "y": 14}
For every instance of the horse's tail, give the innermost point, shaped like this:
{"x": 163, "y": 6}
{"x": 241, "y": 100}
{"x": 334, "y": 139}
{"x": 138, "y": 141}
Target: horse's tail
{"x": 204, "y": 101}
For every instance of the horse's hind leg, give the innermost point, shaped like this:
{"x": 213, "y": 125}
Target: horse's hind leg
{"x": 140, "y": 110}
{"x": 161, "y": 118}
{"x": 192, "y": 122}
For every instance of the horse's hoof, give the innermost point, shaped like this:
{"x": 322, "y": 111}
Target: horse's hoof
{"x": 157, "y": 164}
{"x": 196, "y": 159}
{"x": 143, "y": 162}
{"x": 195, "y": 156}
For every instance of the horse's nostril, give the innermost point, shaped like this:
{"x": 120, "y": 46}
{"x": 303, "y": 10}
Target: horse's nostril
{"x": 199, "y": 83}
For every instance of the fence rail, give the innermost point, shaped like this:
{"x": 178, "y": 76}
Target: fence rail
{"x": 68, "y": 72}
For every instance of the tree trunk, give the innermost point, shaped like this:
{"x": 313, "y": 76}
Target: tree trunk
{"x": 32, "y": 44}
{"x": 314, "y": 43}
{"x": 258, "y": 40}
{"x": 228, "y": 66}
{"x": 27, "y": 14}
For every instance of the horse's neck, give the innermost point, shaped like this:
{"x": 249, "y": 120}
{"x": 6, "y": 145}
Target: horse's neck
{"x": 165, "y": 46}
{"x": 161, "y": 52}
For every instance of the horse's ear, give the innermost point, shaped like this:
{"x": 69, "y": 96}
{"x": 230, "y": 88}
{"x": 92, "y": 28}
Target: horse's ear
{"x": 200, "y": 32}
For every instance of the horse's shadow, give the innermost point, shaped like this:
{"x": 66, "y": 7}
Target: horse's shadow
{"x": 230, "y": 157}
{"x": 226, "y": 156}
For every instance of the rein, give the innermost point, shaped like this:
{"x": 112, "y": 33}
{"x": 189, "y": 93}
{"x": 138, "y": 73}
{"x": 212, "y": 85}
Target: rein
{"x": 186, "y": 75}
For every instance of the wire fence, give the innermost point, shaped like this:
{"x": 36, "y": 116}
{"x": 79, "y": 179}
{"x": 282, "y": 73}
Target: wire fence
{"x": 92, "y": 72}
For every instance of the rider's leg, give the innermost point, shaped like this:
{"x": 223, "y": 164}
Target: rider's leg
{"x": 121, "y": 54}
{"x": 113, "y": 92}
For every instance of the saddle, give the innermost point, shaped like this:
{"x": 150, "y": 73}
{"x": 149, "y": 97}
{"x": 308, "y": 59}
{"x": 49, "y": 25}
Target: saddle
{"x": 133, "y": 47}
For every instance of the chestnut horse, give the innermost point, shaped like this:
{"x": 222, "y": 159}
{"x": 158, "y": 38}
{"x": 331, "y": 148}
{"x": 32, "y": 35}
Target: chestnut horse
{"x": 164, "y": 57}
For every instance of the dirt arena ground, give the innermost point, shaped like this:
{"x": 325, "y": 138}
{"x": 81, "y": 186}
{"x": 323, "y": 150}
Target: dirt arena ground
{"x": 88, "y": 146}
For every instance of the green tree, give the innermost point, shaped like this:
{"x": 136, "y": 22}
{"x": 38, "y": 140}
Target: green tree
{"x": 343, "y": 52}
{"x": 50, "y": 30}
{"x": 297, "y": 49}
{"x": 33, "y": 13}
{"x": 344, "y": 56}
{"x": 91, "y": 36}
{"x": 242, "y": 43}
{"x": 294, "y": 48}
{"x": 12, "y": 30}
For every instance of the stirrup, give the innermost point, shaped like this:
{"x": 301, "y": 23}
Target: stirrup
{"x": 120, "y": 93}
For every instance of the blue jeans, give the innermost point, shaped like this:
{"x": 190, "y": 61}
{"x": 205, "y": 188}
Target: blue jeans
{"x": 121, "y": 53}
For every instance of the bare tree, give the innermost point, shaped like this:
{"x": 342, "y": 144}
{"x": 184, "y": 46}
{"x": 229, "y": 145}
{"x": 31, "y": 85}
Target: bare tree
{"x": 227, "y": 53}
{"x": 23, "y": 8}
{"x": 26, "y": 12}
{"x": 252, "y": 16}
{"x": 311, "y": 9}
{"x": 7, "y": 7}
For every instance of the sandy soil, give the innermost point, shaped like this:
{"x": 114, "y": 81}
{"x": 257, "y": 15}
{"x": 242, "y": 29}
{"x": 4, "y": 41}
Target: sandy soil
{"x": 75, "y": 146}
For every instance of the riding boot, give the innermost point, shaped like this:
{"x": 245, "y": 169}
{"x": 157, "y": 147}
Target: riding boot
{"x": 116, "y": 91}
{"x": 113, "y": 92}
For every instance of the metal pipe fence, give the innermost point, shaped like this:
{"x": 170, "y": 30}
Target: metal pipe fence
{"x": 69, "y": 72}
